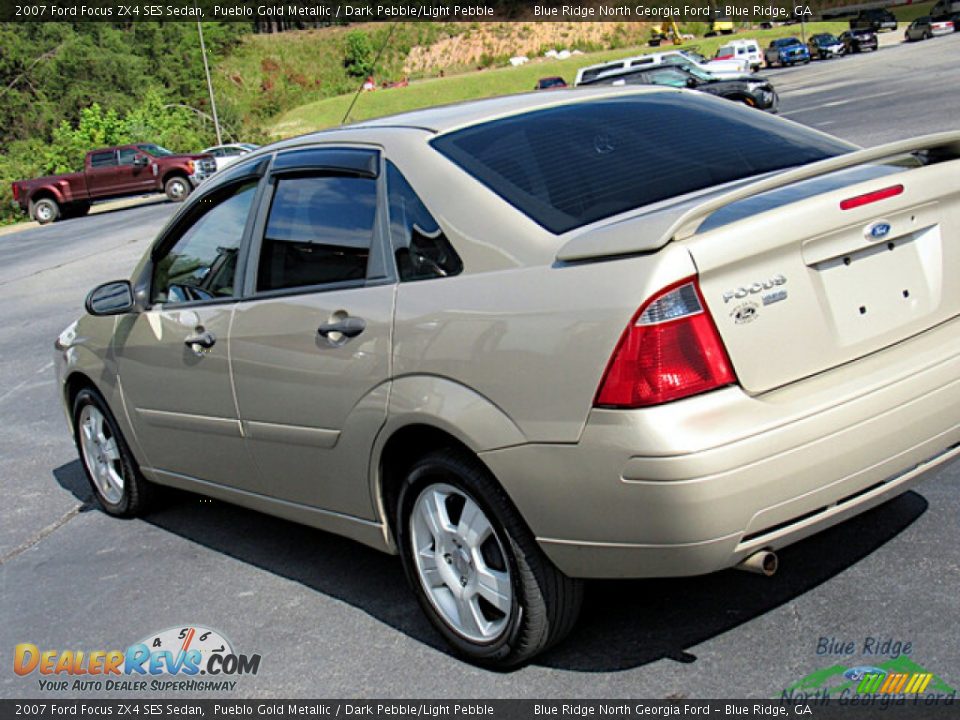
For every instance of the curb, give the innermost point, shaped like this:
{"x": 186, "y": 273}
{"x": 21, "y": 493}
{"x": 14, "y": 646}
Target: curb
{"x": 96, "y": 209}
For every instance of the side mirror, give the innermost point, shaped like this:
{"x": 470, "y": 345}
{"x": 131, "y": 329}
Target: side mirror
{"x": 112, "y": 298}
{"x": 692, "y": 82}
{"x": 141, "y": 161}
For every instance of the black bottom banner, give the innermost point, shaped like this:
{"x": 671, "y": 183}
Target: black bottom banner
{"x": 861, "y": 706}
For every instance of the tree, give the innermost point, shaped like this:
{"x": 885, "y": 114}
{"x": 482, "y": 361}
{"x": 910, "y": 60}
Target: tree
{"x": 358, "y": 54}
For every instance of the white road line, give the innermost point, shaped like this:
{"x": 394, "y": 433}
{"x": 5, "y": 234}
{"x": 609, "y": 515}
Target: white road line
{"x": 20, "y": 385}
{"x": 837, "y": 103}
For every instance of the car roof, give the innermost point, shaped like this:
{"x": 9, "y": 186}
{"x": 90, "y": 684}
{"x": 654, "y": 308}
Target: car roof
{"x": 448, "y": 117}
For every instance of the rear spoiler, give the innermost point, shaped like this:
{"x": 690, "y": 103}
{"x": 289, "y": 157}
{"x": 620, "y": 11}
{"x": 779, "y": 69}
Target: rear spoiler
{"x": 617, "y": 239}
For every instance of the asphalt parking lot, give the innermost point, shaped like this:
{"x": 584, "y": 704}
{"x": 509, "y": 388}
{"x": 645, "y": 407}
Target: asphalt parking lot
{"x": 331, "y": 618}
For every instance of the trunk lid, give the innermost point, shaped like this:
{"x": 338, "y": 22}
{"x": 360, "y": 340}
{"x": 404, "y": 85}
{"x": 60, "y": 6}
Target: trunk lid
{"x": 801, "y": 287}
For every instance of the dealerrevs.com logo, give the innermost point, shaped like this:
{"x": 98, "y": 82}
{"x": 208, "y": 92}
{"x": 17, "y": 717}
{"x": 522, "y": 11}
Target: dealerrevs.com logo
{"x": 191, "y": 658}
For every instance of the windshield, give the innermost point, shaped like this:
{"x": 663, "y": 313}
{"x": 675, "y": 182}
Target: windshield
{"x": 690, "y": 68}
{"x": 574, "y": 164}
{"x": 155, "y": 150}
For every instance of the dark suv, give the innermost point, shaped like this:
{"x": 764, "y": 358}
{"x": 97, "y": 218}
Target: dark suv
{"x": 855, "y": 41}
{"x": 751, "y": 90}
{"x": 875, "y": 19}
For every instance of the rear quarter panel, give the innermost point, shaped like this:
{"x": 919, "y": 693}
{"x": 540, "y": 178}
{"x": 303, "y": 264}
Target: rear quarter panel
{"x": 534, "y": 342}
{"x": 64, "y": 188}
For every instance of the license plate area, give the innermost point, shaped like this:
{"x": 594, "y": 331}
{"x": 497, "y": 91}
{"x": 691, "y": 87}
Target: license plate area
{"x": 884, "y": 287}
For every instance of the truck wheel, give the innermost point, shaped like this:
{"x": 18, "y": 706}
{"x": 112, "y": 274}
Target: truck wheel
{"x": 177, "y": 188}
{"x": 44, "y": 210}
{"x": 475, "y": 567}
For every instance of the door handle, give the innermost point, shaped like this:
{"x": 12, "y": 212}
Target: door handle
{"x": 348, "y": 327}
{"x": 203, "y": 338}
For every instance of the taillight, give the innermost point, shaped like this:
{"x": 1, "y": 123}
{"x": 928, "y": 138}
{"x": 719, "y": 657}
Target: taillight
{"x": 870, "y": 197}
{"x": 670, "y": 350}
{"x": 16, "y": 191}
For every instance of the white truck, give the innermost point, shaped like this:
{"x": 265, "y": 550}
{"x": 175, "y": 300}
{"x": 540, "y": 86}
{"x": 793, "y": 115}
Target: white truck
{"x": 723, "y": 69}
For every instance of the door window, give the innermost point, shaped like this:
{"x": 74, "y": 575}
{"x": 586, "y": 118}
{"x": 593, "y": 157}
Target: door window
{"x": 421, "y": 249}
{"x": 319, "y": 232}
{"x": 103, "y": 159}
{"x": 127, "y": 156}
{"x": 202, "y": 263}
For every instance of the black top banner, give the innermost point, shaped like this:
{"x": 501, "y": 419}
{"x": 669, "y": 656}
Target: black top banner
{"x": 347, "y": 11}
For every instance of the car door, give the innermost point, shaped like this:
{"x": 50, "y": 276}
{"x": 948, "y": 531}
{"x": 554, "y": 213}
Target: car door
{"x": 101, "y": 173}
{"x": 310, "y": 347}
{"x": 173, "y": 358}
{"x": 130, "y": 175}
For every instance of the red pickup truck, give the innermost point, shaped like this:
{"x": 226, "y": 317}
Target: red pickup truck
{"x": 109, "y": 173}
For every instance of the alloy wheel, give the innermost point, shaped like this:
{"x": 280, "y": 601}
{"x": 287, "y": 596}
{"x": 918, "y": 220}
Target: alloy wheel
{"x": 461, "y": 563}
{"x": 101, "y": 454}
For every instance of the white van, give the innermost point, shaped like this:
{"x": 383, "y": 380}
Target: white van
{"x": 724, "y": 69}
{"x": 748, "y": 50}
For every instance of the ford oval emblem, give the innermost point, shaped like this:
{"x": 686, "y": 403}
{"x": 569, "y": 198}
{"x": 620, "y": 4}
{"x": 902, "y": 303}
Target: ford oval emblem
{"x": 877, "y": 231}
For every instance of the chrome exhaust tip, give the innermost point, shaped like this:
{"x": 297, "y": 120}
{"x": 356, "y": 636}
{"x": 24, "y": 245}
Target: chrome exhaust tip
{"x": 763, "y": 562}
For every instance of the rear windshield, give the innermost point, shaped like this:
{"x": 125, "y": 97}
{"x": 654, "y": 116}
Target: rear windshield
{"x": 571, "y": 165}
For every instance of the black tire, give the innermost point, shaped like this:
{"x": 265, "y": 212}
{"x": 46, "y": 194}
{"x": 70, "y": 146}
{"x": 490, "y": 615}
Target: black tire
{"x": 177, "y": 188}
{"x": 44, "y": 210}
{"x": 545, "y": 602}
{"x": 137, "y": 490}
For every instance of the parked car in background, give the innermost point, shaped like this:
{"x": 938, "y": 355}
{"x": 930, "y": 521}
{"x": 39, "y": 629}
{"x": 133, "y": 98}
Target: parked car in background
{"x": 718, "y": 68}
{"x": 523, "y": 341}
{"x": 857, "y": 41}
{"x": 750, "y": 90}
{"x": 876, "y": 19}
{"x": 554, "y": 82}
{"x": 926, "y": 27}
{"x": 786, "y": 51}
{"x": 224, "y": 155}
{"x": 109, "y": 173}
{"x": 824, "y": 46}
{"x": 945, "y": 7}
{"x": 952, "y": 17}
{"x": 746, "y": 49}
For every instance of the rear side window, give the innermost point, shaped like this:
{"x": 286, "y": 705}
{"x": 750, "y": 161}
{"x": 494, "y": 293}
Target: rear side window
{"x": 575, "y": 164}
{"x": 103, "y": 159}
{"x": 319, "y": 232}
{"x": 421, "y": 249}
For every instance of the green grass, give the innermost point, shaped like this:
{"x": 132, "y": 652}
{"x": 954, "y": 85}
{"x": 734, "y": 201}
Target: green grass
{"x": 909, "y": 13}
{"x": 329, "y": 112}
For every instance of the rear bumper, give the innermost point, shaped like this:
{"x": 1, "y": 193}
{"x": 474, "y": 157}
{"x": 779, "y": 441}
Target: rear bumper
{"x": 698, "y": 485}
